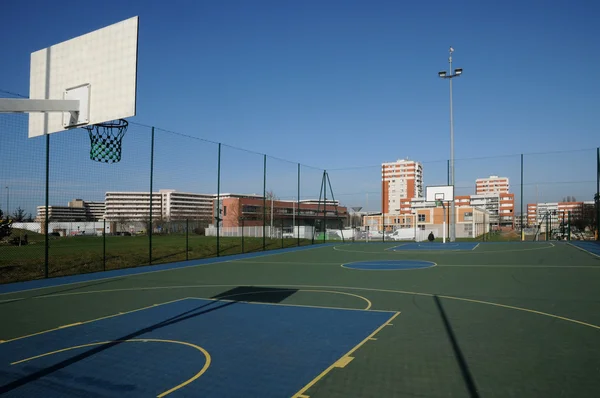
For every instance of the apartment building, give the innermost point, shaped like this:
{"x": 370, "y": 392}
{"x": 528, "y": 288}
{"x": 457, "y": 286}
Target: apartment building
{"x": 500, "y": 207}
{"x": 401, "y": 181}
{"x": 76, "y": 210}
{"x": 491, "y": 185}
{"x": 185, "y": 205}
{"x": 537, "y": 213}
{"x": 167, "y": 205}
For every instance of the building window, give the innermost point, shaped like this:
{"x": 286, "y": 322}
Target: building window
{"x": 468, "y": 216}
{"x": 422, "y": 227}
{"x": 421, "y": 217}
{"x": 224, "y": 211}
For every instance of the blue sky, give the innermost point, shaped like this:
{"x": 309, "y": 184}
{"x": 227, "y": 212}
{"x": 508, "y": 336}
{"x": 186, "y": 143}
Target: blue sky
{"x": 339, "y": 84}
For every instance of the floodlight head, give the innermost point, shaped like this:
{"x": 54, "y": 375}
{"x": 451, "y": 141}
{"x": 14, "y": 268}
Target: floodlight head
{"x": 458, "y": 71}
{"x": 442, "y": 74}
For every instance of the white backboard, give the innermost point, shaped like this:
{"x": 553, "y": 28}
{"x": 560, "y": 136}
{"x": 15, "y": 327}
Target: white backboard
{"x": 444, "y": 193}
{"x": 105, "y": 59}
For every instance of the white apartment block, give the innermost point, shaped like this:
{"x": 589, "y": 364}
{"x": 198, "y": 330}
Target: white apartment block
{"x": 401, "y": 181}
{"x": 76, "y": 210}
{"x": 167, "y": 205}
{"x": 184, "y": 205}
{"x": 491, "y": 185}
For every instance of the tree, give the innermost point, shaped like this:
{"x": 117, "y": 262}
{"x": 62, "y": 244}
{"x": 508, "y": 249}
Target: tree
{"x": 5, "y": 226}
{"x": 19, "y": 215}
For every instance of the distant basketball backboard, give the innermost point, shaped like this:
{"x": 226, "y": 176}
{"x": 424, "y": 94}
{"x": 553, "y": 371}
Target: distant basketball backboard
{"x": 98, "y": 70}
{"x": 440, "y": 193}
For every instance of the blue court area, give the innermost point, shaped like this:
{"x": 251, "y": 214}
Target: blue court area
{"x": 187, "y": 348}
{"x": 589, "y": 246}
{"x": 423, "y": 246}
{"x": 389, "y": 265}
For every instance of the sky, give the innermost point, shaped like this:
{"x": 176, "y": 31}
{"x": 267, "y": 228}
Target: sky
{"x": 337, "y": 85}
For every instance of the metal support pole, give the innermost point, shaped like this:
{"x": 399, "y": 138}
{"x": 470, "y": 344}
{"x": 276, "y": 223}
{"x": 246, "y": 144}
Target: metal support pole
{"x": 324, "y": 206}
{"x": 522, "y": 230}
{"x": 150, "y": 226}
{"x": 218, "y": 220}
{"x": 569, "y": 226}
{"x": 264, "y": 202}
{"x": 242, "y": 235}
{"x": 598, "y": 194}
{"x": 282, "y": 232}
{"x": 298, "y": 207}
{"x": 452, "y": 204}
{"x": 104, "y": 244}
{"x": 46, "y": 218}
{"x": 187, "y": 239}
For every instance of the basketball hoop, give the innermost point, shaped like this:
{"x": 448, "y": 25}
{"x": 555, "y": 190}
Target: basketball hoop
{"x": 105, "y": 139}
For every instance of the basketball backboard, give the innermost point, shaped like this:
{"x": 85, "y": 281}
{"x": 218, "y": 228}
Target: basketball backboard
{"x": 440, "y": 193}
{"x": 99, "y": 69}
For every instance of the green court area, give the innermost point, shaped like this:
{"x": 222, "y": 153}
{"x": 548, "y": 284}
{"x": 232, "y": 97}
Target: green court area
{"x": 481, "y": 320}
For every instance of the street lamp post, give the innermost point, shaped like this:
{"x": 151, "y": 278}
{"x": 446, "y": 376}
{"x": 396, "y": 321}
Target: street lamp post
{"x": 450, "y": 75}
{"x": 7, "y": 203}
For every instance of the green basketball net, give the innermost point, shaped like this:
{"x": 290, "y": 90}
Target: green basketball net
{"x": 106, "y": 139}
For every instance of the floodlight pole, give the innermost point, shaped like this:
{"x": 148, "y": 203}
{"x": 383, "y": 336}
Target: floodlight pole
{"x": 457, "y": 72}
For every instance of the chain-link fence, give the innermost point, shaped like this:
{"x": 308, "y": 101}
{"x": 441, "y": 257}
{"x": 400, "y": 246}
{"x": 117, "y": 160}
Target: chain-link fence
{"x": 175, "y": 197}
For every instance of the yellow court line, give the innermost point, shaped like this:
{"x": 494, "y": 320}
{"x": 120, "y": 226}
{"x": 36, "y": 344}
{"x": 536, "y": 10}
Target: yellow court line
{"x": 69, "y": 325}
{"x": 344, "y": 361}
{"x": 583, "y": 250}
{"x": 89, "y": 321}
{"x": 369, "y": 304}
{"x": 177, "y": 387}
{"x": 521, "y": 309}
{"x": 333, "y": 365}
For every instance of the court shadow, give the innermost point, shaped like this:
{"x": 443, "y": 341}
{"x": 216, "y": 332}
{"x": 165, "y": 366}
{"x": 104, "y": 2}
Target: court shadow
{"x": 256, "y": 294}
{"x": 460, "y": 358}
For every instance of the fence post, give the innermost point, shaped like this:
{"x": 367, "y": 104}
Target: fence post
{"x": 522, "y": 230}
{"x": 242, "y": 234}
{"x": 282, "y": 232}
{"x": 218, "y": 218}
{"x": 324, "y": 207}
{"x": 104, "y": 244}
{"x": 598, "y": 193}
{"x": 298, "y": 207}
{"x": 569, "y": 225}
{"x": 46, "y": 218}
{"x": 264, "y": 202}
{"x": 150, "y": 225}
{"x": 187, "y": 239}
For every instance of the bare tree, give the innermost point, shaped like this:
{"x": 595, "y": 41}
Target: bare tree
{"x": 19, "y": 215}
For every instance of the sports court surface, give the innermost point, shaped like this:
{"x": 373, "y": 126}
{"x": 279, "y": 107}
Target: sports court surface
{"x": 336, "y": 320}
